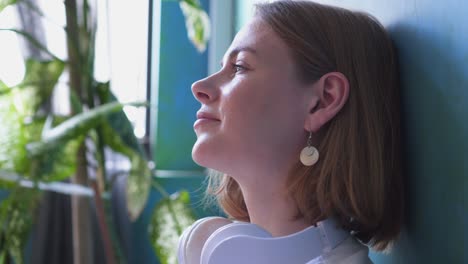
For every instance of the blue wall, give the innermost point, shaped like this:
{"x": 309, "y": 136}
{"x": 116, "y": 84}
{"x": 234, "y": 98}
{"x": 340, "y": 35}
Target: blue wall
{"x": 179, "y": 66}
{"x": 432, "y": 39}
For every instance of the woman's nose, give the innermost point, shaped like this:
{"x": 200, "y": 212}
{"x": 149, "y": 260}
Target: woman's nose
{"x": 204, "y": 90}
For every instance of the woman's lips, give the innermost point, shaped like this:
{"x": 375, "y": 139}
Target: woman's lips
{"x": 204, "y": 118}
{"x": 206, "y": 115}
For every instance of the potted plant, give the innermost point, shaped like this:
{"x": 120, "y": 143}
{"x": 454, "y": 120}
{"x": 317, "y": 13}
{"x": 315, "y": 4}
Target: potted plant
{"x": 40, "y": 149}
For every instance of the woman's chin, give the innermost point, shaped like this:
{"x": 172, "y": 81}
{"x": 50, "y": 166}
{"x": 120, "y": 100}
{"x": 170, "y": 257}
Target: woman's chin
{"x": 198, "y": 160}
{"x": 207, "y": 158}
{"x": 201, "y": 155}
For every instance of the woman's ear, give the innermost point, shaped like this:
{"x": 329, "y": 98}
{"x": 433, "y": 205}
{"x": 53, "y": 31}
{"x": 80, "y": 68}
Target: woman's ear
{"x": 332, "y": 91}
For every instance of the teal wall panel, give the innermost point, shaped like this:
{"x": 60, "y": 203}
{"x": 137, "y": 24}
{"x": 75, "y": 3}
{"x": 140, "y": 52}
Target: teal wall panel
{"x": 431, "y": 37}
{"x": 180, "y": 65}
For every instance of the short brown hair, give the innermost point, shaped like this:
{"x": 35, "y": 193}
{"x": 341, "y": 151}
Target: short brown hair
{"x": 358, "y": 179}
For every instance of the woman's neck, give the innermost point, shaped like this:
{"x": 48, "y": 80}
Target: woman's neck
{"x": 273, "y": 210}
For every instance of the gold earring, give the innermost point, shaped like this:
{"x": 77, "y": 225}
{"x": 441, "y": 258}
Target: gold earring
{"x": 309, "y": 155}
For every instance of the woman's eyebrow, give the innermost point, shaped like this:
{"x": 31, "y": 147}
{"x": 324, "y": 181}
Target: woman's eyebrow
{"x": 237, "y": 50}
{"x": 242, "y": 48}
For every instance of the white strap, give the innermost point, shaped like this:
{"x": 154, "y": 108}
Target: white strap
{"x": 193, "y": 238}
{"x": 248, "y": 243}
{"x": 331, "y": 234}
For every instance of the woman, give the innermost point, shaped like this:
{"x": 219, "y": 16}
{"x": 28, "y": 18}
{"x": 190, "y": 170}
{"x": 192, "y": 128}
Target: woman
{"x": 303, "y": 121}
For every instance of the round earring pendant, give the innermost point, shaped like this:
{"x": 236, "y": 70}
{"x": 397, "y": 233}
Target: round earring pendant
{"x": 309, "y": 156}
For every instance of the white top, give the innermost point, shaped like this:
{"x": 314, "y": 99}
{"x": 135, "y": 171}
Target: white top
{"x": 217, "y": 240}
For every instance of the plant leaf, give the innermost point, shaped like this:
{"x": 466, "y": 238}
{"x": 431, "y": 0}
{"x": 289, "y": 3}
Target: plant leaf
{"x": 54, "y": 156}
{"x": 118, "y": 134}
{"x": 138, "y": 186}
{"x": 74, "y": 127}
{"x": 55, "y": 186}
{"x": 16, "y": 213}
{"x": 58, "y": 164}
{"x": 197, "y": 23}
{"x": 12, "y": 137}
{"x": 139, "y": 177}
{"x": 37, "y": 86}
{"x": 21, "y": 127}
{"x": 3, "y": 90}
{"x": 18, "y": 108}
{"x": 118, "y": 121}
{"x": 194, "y": 3}
{"x": 17, "y": 130}
{"x": 5, "y": 3}
{"x": 170, "y": 217}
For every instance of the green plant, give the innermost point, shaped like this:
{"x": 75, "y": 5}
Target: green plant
{"x": 40, "y": 147}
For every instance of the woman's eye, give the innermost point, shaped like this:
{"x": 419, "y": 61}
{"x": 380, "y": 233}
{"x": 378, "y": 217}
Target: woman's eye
{"x": 238, "y": 68}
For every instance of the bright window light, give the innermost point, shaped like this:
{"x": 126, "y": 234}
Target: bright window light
{"x": 121, "y": 51}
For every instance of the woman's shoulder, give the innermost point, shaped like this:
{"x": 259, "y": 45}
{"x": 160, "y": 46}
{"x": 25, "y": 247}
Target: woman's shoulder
{"x": 194, "y": 237}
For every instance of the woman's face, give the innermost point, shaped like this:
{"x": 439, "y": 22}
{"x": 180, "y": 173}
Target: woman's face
{"x": 253, "y": 109}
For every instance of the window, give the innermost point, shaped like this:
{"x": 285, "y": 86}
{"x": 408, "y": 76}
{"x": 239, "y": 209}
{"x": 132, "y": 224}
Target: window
{"x": 121, "y": 51}
{"x": 122, "y": 55}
